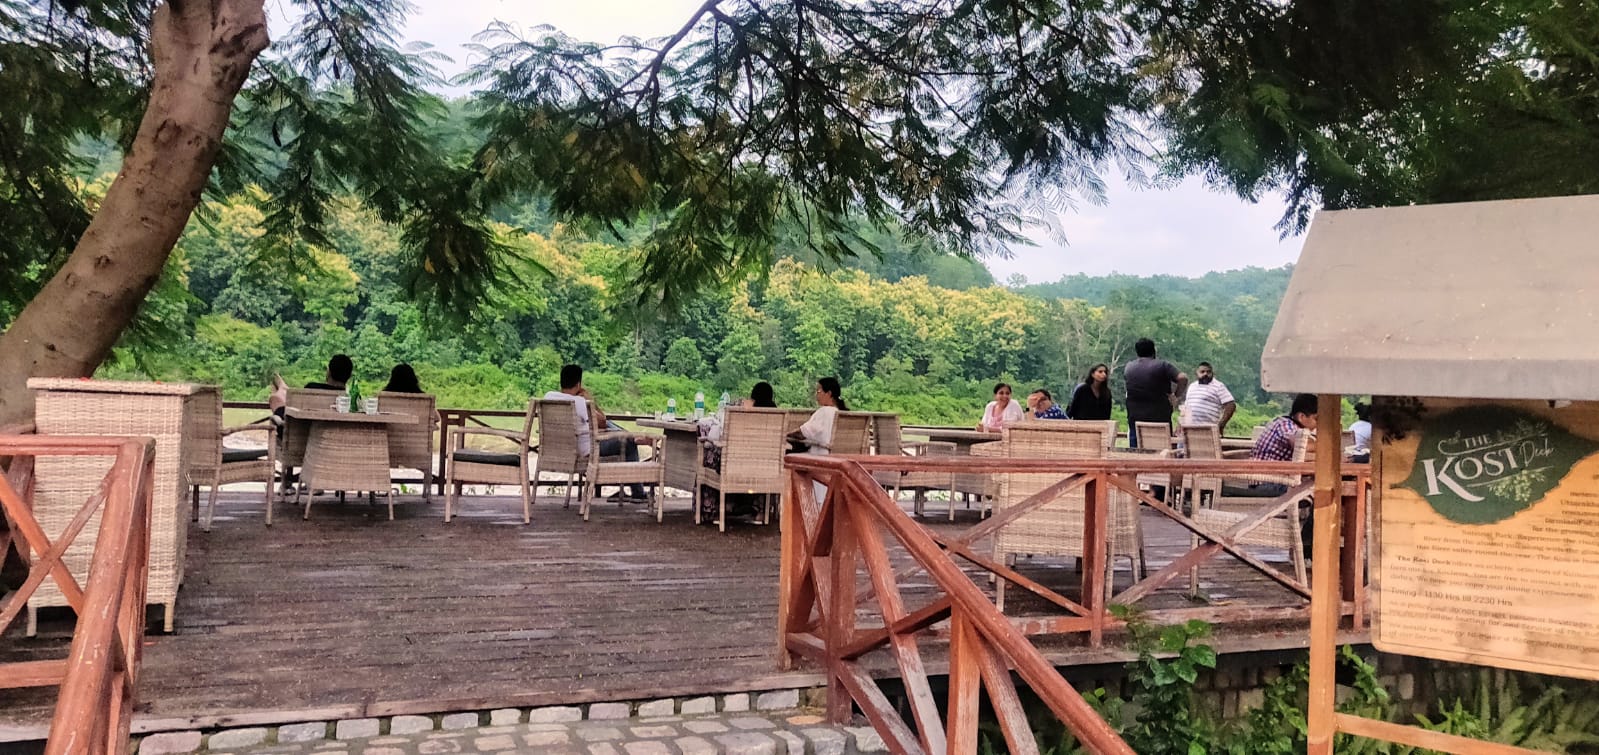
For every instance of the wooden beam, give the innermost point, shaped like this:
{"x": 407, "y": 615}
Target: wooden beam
{"x": 907, "y": 655}
{"x": 1418, "y": 737}
{"x": 33, "y": 673}
{"x": 1324, "y": 578}
{"x": 965, "y": 684}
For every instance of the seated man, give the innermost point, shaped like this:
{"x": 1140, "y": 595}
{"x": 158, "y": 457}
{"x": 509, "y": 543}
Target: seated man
{"x": 1277, "y": 444}
{"x": 572, "y": 390}
{"x": 340, "y": 367}
{"x": 1041, "y": 405}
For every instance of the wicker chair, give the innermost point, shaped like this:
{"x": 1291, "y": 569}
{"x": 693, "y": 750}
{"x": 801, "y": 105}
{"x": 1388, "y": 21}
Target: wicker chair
{"x": 464, "y": 465}
{"x": 1155, "y": 436}
{"x": 213, "y": 465}
{"x": 752, "y": 460}
{"x": 651, "y": 471}
{"x": 1056, "y": 528}
{"x": 851, "y": 434}
{"x": 794, "y": 418}
{"x": 411, "y": 446}
{"x": 1219, "y": 512}
{"x": 297, "y": 434}
{"x": 890, "y": 442}
{"x": 557, "y": 450}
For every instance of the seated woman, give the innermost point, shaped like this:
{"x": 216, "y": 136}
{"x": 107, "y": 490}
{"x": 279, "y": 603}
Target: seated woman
{"x": 816, "y": 435}
{"x": 1360, "y": 452}
{"x": 761, "y": 397}
{"x": 739, "y": 504}
{"x": 402, "y": 379}
{"x": 1091, "y": 400}
{"x": 1001, "y": 412}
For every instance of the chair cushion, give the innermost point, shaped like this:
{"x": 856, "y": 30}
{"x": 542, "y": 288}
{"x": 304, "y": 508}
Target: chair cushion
{"x": 234, "y": 455}
{"x": 487, "y": 457}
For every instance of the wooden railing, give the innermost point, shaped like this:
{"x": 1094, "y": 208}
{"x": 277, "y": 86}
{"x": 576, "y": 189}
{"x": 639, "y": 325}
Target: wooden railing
{"x": 827, "y": 543}
{"x": 99, "y": 676}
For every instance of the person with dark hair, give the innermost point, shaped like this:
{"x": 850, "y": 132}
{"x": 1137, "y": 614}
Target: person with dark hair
{"x": 402, "y": 379}
{"x": 1208, "y": 401}
{"x": 1153, "y": 387}
{"x": 1277, "y": 442}
{"x": 1041, "y": 405}
{"x": 817, "y": 432}
{"x": 1091, "y": 399}
{"x": 340, "y": 368}
{"x": 761, "y": 396}
{"x": 1001, "y": 412}
{"x": 572, "y": 390}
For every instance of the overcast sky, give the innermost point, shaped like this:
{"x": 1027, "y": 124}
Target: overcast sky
{"x": 1187, "y": 230}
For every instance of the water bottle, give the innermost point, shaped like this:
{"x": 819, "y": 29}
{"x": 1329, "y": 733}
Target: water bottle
{"x": 722, "y": 402}
{"x": 671, "y": 408}
{"x": 699, "y": 405}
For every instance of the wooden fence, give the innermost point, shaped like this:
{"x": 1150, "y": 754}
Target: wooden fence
{"x": 827, "y": 543}
{"x": 99, "y": 677}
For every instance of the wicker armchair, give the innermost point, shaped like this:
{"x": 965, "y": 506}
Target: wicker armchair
{"x": 599, "y": 471}
{"x": 464, "y": 465}
{"x": 1056, "y": 528}
{"x": 1219, "y": 512}
{"x": 213, "y": 465}
{"x": 890, "y": 442}
{"x": 752, "y": 460}
{"x": 411, "y": 446}
{"x": 851, "y": 434}
{"x": 1153, "y": 436}
{"x": 557, "y": 450}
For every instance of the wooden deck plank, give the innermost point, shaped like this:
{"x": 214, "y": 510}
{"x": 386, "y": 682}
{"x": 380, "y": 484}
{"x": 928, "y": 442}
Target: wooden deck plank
{"x": 349, "y": 614}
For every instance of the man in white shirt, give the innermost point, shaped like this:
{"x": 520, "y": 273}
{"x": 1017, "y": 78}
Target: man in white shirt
{"x": 1209, "y": 402}
{"x": 572, "y": 390}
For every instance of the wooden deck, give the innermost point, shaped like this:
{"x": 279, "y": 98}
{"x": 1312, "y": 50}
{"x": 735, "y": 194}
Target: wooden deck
{"x": 351, "y": 615}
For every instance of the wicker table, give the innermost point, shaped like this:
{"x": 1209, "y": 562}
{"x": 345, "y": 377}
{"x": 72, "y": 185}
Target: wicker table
{"x": 347, "y": 451}
{"x": 681, "y": 451}
{"x": 164, "y": 411}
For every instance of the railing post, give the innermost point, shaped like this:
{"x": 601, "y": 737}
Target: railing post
{"x": 1095, "y": 515}
{"x": 965, "y": 684}
{"x": 791, "y": 532}
{"x": 841, "y": 608}
{"x": 1325, "y": 595}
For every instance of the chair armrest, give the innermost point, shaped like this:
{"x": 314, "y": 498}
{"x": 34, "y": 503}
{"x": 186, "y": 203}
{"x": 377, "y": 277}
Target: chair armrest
{"x": 921, "y": 447}
{"x": 653, "y": 440}
{"x": 252, "y": 428}
{"x": 512, "y": 434}
{"x": 1237, "y": 453}
{"x": 459, "y": 435}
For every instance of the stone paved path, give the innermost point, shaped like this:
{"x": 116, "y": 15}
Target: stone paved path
{"x": 744, "y": 733}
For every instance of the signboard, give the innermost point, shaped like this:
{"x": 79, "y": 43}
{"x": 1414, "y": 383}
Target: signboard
{"x": 1487, "y": 544}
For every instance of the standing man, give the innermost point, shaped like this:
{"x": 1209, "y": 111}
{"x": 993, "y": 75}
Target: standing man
{"x": 1153, "y": 388}
{"x": 572, "y": 390}
{"x": 1209, "y": 402}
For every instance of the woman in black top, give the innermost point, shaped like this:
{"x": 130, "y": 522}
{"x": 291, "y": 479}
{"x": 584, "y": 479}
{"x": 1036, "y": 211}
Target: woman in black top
{"x": 402, "y": 379}
{"x": 1091, "y": 400}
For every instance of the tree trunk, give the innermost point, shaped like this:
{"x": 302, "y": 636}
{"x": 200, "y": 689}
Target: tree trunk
{"x": 202, "y": 51}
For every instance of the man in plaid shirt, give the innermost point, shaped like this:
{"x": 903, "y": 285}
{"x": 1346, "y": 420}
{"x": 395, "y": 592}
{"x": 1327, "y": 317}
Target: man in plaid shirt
{"x": 1277, "y": 443}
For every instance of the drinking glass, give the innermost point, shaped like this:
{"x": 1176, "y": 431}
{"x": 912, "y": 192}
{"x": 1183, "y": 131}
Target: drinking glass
{"x": 369, "y": 405}
{"x": 341, "y": 404}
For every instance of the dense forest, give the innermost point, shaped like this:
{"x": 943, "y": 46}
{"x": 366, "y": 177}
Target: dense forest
{"x": 910, "y": 330}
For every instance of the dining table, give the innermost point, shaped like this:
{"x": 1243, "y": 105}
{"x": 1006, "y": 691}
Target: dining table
{"x": 680, "y": 449}
{"x": 346, "y": 450}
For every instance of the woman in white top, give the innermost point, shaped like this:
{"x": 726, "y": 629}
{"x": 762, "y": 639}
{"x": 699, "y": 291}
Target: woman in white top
{"x": 817, "y": 432}
{"x": 1001, "y": 412}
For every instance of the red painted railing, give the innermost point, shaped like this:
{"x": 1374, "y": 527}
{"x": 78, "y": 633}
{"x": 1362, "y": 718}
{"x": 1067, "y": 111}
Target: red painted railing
{"x": 828, "y": 543}
{"x": 99, "y": 676}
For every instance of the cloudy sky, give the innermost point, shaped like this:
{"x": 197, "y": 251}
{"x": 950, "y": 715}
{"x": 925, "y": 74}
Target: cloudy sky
{"x": 1186, "y": 230}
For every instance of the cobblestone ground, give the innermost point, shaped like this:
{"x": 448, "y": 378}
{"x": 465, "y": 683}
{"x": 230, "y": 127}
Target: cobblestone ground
{"x": 745, "y": 733}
